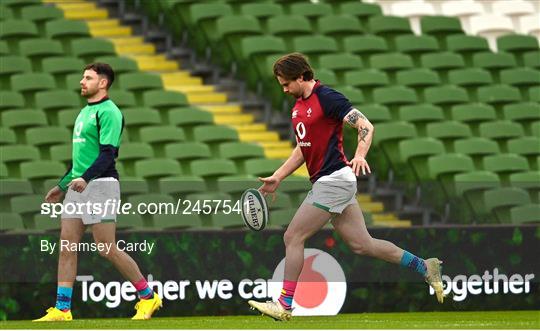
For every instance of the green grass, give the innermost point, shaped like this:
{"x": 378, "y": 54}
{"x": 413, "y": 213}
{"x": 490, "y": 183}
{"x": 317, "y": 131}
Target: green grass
{"x": 439, "y": 320}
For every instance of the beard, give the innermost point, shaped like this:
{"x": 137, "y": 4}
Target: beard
{"x": 88, "y": 93}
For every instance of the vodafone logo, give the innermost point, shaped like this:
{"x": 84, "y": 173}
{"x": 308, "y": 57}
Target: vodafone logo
{"x": 321, "y": 288}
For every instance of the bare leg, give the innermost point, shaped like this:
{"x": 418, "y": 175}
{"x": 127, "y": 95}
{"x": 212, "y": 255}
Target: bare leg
{"x": 72, "y": 230}
{"x": 306, "y": 222}
{"x": 106, "y": 233}
{"x": 350, "y": 225}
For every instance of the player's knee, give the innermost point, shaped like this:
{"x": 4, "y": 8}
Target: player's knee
{"x": 362, "y": 248}
{"x": 108, "y": 251}
{"x": 291, "y": 238}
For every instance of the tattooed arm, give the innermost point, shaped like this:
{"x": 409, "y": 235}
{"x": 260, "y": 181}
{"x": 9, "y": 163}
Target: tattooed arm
{"x": 365, "y": 135}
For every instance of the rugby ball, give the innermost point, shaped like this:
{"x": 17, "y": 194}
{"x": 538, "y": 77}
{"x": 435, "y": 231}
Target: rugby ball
{"x": 254, "y": 209}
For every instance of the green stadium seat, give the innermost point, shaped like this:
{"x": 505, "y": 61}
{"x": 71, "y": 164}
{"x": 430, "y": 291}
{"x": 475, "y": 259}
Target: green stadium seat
{"x": 261, "y": 10}
{"x": 466, "y": 46}
{"x": 262, "y": 167}
{"x": 30, "y": 83}
{"x": 236, "y": 185}
{"x": 136, "y": 118}
{"x": 12, "y": 31}
{"x": 120, "y": 64}
{"x": 310, "y": 10}
{"x": 529, "y": 213}
{"x": 419, "y": 79}
{"x": 40, "y": 14}
{"x": 229, "y": 33}
{"x": 42, "y": 170}
{"x": 394, "y": 96}
{"x": 281, "y": 217}
{"x": 38, "y": 49}
{"x": 188, "y": 118}
{"x": 186, "y": 152}
{"x": 11, "y": 100}
{"x": 27, "y": 206}
{"x": 420, "y": 115}
{"x": 214, "y": 135}
{"x": 476, "y": 148}
{"x": 442, "y": 62}
{"x": 531, "y": 59}
{"x": 171, "y": 221}
{"x": 164, "y": 100}
{"x": 471, "y": 186}
{"x": 415, "y": 46}
{"x": 73, "y": 82}
{"x": 129, "y": 221}
{"x": 524, "y": 113}
{"x": 131, "y": 152}
{"x": 20, "y": 119}
{"x": 256, "y": 49}
{"x": 123, "y": 98}
{"x": 528, "y": 147}
{"x": 139, "y": 82}
{"x": 62, "y": 153}
{"x": 389, "y": 27}
{"x": 181, "y": 185}
{"x": 501, "y": 131}
{"x": 444, "y": 167}
{"x": 158, "y": 136}
{"x": 11, "y": 222}
{"x": 534, "y": 94}
{"x": 211, "y": 169}
{"x": 315, "y": 45}
{"x": 391, "y": 62}
{"x": 376, "y": 113}
{"x": 448, "y": 132}
{"x": 365, "y": 45}
{"x": 6, "y": 13}
{"x": 415, "y": 153}
{"x": 361, "y": 10}
{"x": 498, "y": 95}
{"x": 367, "y": 80}
{"x": 338, "y": 26}
{"x": 470, "y": 78}
{"x": 4, "y": 48}
{"x": 10, "y": 65}
{"x": 494, "y": 62}
{"x": 151, "y": 200}
{"x": 355, "y": 96}
{"x": 130, "y": 186}
{"x": 45, "y": 223}
{"x": 520, "y": 77}
{"x": 387, "y": 138}
{"x": 65, "y": 30}
{"x": 90, "y": 48}
{"x": 287, "y": 26}
{"x": 17, "y": 5}
{"x": 61, "y": 66}
{"x": 66, "y": 118}
{"x": 3, "y": 171}
{"x": 203, "y": 17}
{"x": 57, "y": 99}
{"x": 517, "y": 45}
{"x": 440, "y": 27}
{"x": 327, "y": 77}
{"x": 45, "y": 137}
{"x": 14, "y": 155}
{"x": 341, "y": 63}
{"x": 7, "y": 136}
{"x": 238, "y": 151}
{"x": 473, "y": 114}
{"x": 499, "y": 201}
{"x": 227, "y": 221}
{"x": 157, "y": 168}
{"x": 530, "y": 181}
{"x": 505, "y": 164}
{"x": 446, "y": 96}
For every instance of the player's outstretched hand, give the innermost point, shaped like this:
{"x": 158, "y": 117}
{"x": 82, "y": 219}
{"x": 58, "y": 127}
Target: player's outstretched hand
{"x": 358, "y": 164}
{"x": 78, "y": 184}
{"x": 270, "y": 185}
{"x": 54, "y": 195}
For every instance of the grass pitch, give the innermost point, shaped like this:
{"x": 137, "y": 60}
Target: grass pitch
{"x": 435, "y": 320}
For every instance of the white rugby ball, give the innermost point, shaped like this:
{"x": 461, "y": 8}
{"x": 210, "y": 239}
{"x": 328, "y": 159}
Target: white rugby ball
{"x": 254, "y": 209}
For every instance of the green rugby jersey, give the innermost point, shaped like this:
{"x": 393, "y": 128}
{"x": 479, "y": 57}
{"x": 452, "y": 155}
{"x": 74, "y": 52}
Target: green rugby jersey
{"x": 96, "y": 140}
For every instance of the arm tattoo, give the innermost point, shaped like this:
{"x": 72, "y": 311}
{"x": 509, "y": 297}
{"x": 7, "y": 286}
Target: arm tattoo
{"x": 363, "y": 132}
{"x": 353, "y": 117}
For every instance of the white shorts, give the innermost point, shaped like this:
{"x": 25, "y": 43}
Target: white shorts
{"x": 91, "y": 205}
{"x": 334, "y": 192}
